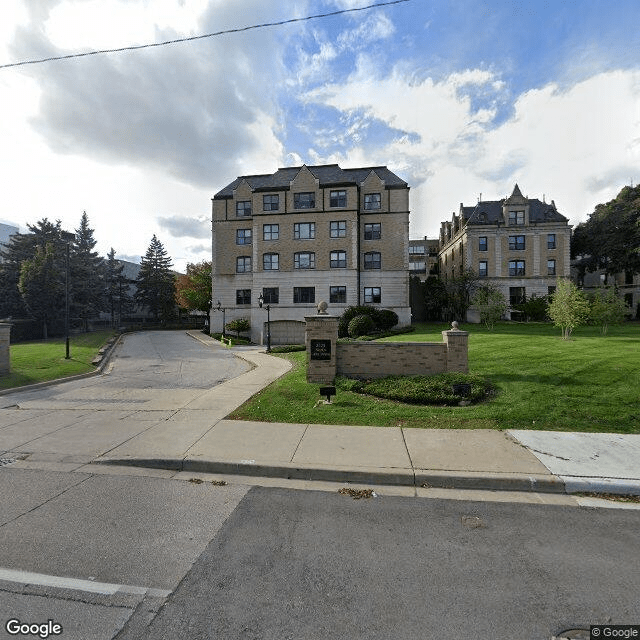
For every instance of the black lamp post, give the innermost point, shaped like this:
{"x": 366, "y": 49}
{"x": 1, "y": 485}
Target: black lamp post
{"x": 221, "y": 308}
{"x": 268, "y": 308}
{"x": 66, "y": 306}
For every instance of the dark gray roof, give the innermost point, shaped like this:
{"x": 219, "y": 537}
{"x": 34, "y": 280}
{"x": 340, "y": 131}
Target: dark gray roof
{"x": 490, "y": 212}
{"x": 328, "y": 175}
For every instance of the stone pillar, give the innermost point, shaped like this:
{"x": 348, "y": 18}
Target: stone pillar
{"x": 457, "y": 349}
{"x": 320, "y": 338}
{"x": 5, "y": 358}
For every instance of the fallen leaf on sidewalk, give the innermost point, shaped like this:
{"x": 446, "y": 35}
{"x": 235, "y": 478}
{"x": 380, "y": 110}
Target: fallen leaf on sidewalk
{"x": 357, "y": 494}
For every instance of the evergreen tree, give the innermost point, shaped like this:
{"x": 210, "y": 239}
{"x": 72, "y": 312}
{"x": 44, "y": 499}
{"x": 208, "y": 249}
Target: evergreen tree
{"x": 21, "y": 247}
{"x": 156, "y": 281}
{"x": 118, "y": 299}
{"x": 42, "y": 286}
{"x": 87, "y": 275}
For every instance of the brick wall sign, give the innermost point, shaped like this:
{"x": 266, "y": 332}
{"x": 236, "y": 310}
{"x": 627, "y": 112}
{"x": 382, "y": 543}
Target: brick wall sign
{"x": 320, "y": 350}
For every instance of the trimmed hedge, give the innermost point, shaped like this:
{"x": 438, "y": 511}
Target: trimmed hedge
{"x": 423, "y": 390}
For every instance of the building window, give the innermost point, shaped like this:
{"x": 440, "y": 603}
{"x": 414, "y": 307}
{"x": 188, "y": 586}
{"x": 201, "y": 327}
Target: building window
{"x": 270, "y": 262}
{"x": 337, "y": 198}
{"x": 516, "y": 296}
{"x": 270, "y": 231}
{"x": 415, "y": 249}
{"x": 516, "y": 243}
{"x": 372, "y": 260}
{"x": 516, "y": 267}
{"x": 551, "y": 267}
{"x": 271, "y": 202}
{"x": 243, "y": 296}
{"x": 304, "y": 260}
{"x": 243, "y": 264}
{"x": 304, "y": 200}
{"x": 372, "y": 294}
{"x": 551, "y": 240}
{"x": 483, "y": 268}
{"x": 271, "y": 295}
{"x": 516, "y": 218}
{"x": 372, "y": 231}
{"x": 338, "y": 259}
{"x": 243, "y": 236}
{"x": 243, "y": 208}
{"x": 302, "y": 295}
{"x": 304, "y": 230}
{"x": 482, "y": 243}
{"x": 338, "y": 295}
{"x": 338, "y": 229}
{"x": 417, "y": 266}
{"x": 372, "y": 201}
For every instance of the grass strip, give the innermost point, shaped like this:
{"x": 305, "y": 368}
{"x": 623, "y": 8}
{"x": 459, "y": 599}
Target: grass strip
{"x": 42, "y": 361}
{"x": 589, "y": 384}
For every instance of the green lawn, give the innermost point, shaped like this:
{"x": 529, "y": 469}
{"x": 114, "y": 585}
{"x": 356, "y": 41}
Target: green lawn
{"x": 590, "y": 383}
{"x": 33, "y": 362}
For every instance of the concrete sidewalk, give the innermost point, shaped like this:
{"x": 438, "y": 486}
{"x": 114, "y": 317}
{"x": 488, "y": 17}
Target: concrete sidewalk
{"x": 186, "y": 430}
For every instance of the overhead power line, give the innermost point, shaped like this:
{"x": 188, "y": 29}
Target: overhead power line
{"x": 199, "y": 37}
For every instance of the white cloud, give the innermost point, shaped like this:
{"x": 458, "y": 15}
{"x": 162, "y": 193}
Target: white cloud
{"x": 578, "y": 146}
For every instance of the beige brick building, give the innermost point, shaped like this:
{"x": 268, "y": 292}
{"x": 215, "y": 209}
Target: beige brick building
{"x": 303, "y": 235}
{"x": 519, "y": 244}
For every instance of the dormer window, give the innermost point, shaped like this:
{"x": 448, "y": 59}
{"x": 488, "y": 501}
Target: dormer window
{"x": 243, "y": 208}
{"x": 372, "y": 201}
{"x": 516, "y": 218}
{"x": 305, "y": 200}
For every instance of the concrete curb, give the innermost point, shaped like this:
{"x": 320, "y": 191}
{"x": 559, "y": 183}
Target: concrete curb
{"x": 363, "y": 475}
{"x": 619, "y": 486}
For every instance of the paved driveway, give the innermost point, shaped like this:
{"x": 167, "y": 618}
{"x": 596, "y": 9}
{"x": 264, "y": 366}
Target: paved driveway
{"x": 157, "y": 394}
{"x": 166, "y": 368}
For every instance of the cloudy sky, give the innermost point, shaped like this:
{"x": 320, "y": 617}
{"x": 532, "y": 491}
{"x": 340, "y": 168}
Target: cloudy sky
{"x": 458, "y": 97}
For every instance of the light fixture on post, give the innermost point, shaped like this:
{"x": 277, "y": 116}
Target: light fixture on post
{"x": 268, "y": 308}
{"x": 219, "y": 307}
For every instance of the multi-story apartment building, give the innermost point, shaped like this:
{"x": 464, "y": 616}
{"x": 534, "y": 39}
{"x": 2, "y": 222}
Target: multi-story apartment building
{"x": 303, "y": 235}
{"x": 518, "y": 244}
{"x": 423, "y": 257}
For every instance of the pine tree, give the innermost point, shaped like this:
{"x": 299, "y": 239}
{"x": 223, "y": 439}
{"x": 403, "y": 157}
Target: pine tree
{"x": 87, "y": 275}
{"x": 118, "y": 299}
{"x": 42, "y": 286}
{"x": 155, "y": 281}
{"x": 21, "y": 247}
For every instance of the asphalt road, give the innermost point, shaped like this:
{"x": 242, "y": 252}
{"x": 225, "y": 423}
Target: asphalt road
{"x": 199, "y": 561}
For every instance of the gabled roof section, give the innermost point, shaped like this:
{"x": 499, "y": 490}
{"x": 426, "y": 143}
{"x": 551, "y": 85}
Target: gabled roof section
{"x": 327, "y": 175}
{"x": 490, "y": 212}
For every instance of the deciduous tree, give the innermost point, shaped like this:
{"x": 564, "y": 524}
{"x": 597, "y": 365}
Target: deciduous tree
{"x": 193, "y": 290}
{"x": 607, "y": 308}
{"x": 610, "y": 238}
{"x": 491, "y": 304}
{"x": 569, "y": 308}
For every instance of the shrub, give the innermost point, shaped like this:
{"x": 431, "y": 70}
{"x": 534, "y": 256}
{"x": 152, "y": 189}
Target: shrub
{"x": 238, "y": 325}
{"x": 387, "y": 319}
{"x": 424, "y": 390}
{"x": 350, "y": 313}
{"x": 360, "y": 325}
